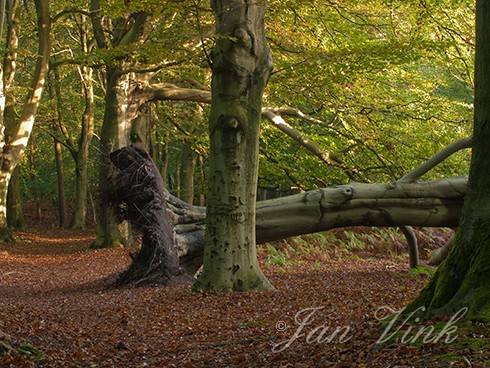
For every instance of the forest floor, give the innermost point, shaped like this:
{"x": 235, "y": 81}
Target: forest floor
{"x": 58, "y": 305}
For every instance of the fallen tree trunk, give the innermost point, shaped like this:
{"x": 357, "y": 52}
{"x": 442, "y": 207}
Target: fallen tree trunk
{"x": 173, "y": 232}
{"x": 428, "y": 204}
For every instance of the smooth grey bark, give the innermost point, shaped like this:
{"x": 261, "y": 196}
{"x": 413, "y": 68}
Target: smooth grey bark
{"x": 413, "y": 176}
{"x": 114, "y": 134}
{"x": 437, "y": 159}
{"x": 413, "y": 250}
{"x": 440, "y": 254}
{"x": 426, "y": 204}
{"x": 241, "y": 68}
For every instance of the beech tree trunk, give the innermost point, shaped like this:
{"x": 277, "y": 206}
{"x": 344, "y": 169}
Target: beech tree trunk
{"x": 115, "y": 134}
{"x": 187, "y": 166}
{"x": 58, "y": 153}
{"x": 121, "y": 108}
{"x": 162, "y": 152}
{"x": 463, "y": 280}
{"x": 15, "y": 214}
{"x": 426, "y": 204}
{"x": 86, "y": 134}
{"x": 241, "y": 68}
{"x": 11, "y": 151}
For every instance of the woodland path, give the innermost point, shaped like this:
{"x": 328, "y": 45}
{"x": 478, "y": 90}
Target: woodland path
{"x": 56, "y": 294}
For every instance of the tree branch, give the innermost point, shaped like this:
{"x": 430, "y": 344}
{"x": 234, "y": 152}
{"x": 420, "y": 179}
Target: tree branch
{"x": 69, "y": 11}
{"x": 436, "y": 160}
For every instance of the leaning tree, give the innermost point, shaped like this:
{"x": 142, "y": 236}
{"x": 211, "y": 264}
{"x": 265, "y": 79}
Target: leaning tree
{"x": 15, "y": 136}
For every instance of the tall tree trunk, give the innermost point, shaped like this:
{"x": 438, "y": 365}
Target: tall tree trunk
{"x": 115, "y": 134}
{"x": 177, "y": 182}
{"x": 241, "y": 68}
{"x": 58, "y": 153}
{"x": 162, "y": 149}
{"x": 187, "y": 166}
{"x": 463, "y": 280}
{"x": 125, "y": 31}
{"x": 12, "y": 150}
{"x": 202, "y": 181}
{"x": 15, "y": 215}
{"x": 86, "y": 134}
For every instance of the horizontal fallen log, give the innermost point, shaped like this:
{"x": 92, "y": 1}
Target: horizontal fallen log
{"x": 426, "y": 204}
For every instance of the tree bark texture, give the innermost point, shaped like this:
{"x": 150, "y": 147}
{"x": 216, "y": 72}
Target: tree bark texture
{"x": 241, "y": 69}
{"x": 463, "y": 280}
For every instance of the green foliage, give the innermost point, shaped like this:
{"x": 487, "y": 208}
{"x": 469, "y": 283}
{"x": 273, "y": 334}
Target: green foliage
{"x": 30, "y": 351}
{"x": 276, "y": 256}
{"x": 353, "y": 242}
{"x": 389, "y": 82}
{"x": 422, "y": 270}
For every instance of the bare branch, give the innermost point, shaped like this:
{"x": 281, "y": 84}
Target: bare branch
{"x": 70, "y": 11}
{"x": 436, "y": 159}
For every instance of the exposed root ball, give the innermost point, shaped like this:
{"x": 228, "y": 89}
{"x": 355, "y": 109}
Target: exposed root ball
{"x": 138, "y": 196}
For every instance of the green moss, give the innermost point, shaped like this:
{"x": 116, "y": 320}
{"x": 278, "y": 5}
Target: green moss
{"x": 423, "y": 271}
{"x": 252, "y": 279}
{"x": 463, "y": 279}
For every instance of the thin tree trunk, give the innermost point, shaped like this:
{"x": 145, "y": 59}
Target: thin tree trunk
{"x": 15, "y": 215}
{"x": 177, "y": 182}
{"x": 86, "y": 134}
{"x": 202, "y": 181}
{"x": 187, "y": 166}
{"x": 163, "y": 158}
{"x": 93, "y": 207}
{"x": 58, "y": 152}
{"x": 241, "y": 68}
